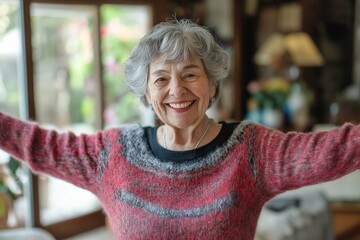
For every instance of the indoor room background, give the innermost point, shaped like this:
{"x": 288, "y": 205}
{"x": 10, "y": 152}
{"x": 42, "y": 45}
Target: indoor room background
{"x": 295, "y": 66}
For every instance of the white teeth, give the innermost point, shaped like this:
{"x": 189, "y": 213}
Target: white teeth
{"x": 180, "y": 105}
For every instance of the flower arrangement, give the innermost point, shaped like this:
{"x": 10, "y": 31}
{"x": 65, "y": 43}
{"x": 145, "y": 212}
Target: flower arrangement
{"x": 271, "y": 93}
{"x": 268, "y": 96}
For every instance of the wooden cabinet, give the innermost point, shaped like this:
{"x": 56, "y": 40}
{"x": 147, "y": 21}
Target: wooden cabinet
{"x": 346, "y": 220}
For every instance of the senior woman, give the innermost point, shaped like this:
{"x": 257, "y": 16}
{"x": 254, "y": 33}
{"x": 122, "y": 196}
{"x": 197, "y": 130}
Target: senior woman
{"x": 177, "y": 70}
{"x": 190, "y": 178}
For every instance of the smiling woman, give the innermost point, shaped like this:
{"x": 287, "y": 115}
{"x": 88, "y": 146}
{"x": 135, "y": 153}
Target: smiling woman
{"x": 191, "y": 177}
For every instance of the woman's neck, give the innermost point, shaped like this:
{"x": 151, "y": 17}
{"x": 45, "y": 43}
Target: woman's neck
{"x": 177, "y": 139}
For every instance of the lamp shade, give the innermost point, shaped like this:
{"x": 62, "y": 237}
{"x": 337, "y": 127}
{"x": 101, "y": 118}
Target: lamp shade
{"x": 303, "y": 50}
{"x": 272, "y": 47}
{"x": 298, "y": 46}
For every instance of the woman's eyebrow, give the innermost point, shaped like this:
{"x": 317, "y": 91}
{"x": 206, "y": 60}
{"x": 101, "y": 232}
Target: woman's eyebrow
{"x": 159, "y": 71}
{"x": 191, "y": 66}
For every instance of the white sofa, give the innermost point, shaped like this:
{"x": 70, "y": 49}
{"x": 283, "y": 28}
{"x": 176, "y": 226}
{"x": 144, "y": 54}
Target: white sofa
{"x": 25, "y": 233}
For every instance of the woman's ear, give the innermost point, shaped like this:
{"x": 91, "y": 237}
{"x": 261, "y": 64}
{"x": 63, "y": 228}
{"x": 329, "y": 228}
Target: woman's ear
{"x": 212, "y": 89}
{"x": 148, "y": 98}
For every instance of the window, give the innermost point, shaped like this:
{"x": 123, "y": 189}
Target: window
{"x": 75, "y": 82}
{"x": 66, "y": 73}
{"x": 11, "y": 97}
{"x": 67, "y": 82}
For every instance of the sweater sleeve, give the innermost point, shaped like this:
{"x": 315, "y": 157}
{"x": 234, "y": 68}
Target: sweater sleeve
{"x": 292, "y": 160}
{"x": 76, "y": 159}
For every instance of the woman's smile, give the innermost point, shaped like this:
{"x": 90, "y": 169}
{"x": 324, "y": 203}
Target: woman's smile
{"x": 181, "y": 106}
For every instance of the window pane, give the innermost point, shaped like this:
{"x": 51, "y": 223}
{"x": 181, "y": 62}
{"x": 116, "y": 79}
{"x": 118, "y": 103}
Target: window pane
{"x": 122, "y": 26}
{"x": 10, "y": 57}
{"x": 64, "y": 64}
{"x": 12, "y": 205}
{"x": 65, "y": 86}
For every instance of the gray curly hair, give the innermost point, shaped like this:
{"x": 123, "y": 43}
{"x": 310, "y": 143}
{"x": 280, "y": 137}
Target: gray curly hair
{"x": 176, "y": 41}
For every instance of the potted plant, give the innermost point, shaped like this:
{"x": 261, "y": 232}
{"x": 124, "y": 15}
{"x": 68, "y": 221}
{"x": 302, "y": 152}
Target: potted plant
{"x": 11, "y": 188}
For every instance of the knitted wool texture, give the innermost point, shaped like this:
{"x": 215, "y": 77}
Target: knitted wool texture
{"x": 218, "y": 196}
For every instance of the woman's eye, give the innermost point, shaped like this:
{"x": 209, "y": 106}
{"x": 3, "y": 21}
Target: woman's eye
{"x": 160, "y": 80}
{"x": 189, "y": 76}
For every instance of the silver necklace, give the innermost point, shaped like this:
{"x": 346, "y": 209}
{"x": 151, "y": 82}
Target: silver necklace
{"x": 197, "y": 144}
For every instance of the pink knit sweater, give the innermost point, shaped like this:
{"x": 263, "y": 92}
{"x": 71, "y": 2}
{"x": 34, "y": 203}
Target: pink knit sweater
{"x": 218, "y": 196}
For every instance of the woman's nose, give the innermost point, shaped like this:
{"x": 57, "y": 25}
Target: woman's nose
{"x": 177, "y": 88}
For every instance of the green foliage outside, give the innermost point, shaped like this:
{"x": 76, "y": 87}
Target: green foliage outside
{"x": 123, "y": 104}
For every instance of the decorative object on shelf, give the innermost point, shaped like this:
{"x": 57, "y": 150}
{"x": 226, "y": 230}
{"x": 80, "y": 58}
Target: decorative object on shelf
{"x": 281, "y": 57}
{"x": 267, "y": 100}
{"x": 297, "y": 46}
{"x": 273, "y": 118}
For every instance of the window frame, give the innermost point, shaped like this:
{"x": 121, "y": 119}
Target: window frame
{"x": 71, "y": 227}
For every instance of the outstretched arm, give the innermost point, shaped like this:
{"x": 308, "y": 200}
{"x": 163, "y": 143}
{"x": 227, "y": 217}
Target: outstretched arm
{"x": 76, "y": 159}
{"x": 292, "y": 160}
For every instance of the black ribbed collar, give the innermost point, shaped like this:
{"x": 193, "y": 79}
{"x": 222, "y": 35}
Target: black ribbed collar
{"x": 166, "y": 155}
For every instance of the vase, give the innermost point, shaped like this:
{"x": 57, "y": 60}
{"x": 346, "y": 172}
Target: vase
{"x": 273, "y": 118}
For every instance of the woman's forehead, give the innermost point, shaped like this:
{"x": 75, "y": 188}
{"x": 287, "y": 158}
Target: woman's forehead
{"x": 181, "y": 56}
{"x": 161, "y": 59}
{"x": 159, "y": 62}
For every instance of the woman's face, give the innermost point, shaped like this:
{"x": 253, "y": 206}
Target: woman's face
{"x": 179, "y": 92}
